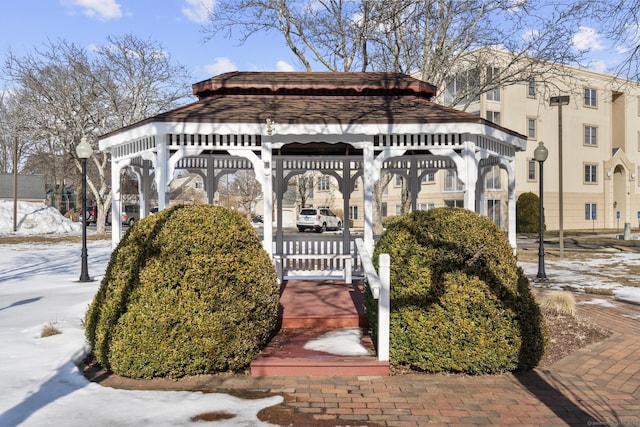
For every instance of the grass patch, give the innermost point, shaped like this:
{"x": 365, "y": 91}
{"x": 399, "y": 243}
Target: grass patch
{"x": 49, "y": 329}
{"x": 559, "y": 303}
{"x": 598, "y": 291}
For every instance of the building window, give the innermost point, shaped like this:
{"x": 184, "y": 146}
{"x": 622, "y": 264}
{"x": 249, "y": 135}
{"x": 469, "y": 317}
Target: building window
{"x": 493, "y": 74}
{"x": 591, "y": 174}
{"x": 458, "y": 203}
{"x": 353, "y": 212}
{"x": 398, "y": 181}
{"x": 590, "y": 211}
{"x": 459, "y": 87}
{"x": 493, "y": 116}
{"x": 383, "y": 210}
{"x": 451, "y": 181}
{"x": 531, "y": 127}
{"x": 590, "y": 97}
{"x": 492, "y": 180}
{"x": 531, "y": 88}
{"x": 429, "y": 178}
{"x": 323, "y": 183}
{"x": 425, "y": 206}
{"x": 493, "y": 210}
{"x": 590, "y": 135}
{"x": 531, "y": 176}
{"x": 398, "y": 210}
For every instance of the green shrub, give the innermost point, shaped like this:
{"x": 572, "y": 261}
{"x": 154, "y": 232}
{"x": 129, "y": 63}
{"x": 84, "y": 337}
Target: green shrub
{"x": 527, "y": 213}
{"x": 459, "y": 303}
{"x": 188, "y": 291}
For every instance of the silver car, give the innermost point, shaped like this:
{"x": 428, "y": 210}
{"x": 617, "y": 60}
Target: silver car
{"x": 318, "y": 219}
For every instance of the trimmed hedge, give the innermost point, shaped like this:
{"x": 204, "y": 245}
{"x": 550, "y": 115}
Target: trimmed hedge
{"x": 188, "y": 291}
{"x": 528, "y": 213}
{"x": 459, "y": 303}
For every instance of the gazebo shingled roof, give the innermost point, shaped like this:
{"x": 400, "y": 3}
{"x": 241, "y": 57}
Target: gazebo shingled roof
{"x": 316, "y": 98}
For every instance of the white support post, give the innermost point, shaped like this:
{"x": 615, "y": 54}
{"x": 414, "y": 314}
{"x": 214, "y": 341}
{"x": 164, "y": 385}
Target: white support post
{"x": 116, "y": 206}
{"x": 384, "y": 307}
{"x": 470, "y": 175}
{"x": 267, "y": 191}
{"x": 511, "y": 203}
{"x": 210, "y": 182}
{"x": 145, "y": 188}
{"x": 161, "y": 174}
{"x": 370, "y": 176}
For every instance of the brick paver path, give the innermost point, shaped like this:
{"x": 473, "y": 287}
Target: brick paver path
{"x": 598, "y": 385}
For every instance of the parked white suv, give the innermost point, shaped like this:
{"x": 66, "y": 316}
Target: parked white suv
{"x": 320, "y": 220}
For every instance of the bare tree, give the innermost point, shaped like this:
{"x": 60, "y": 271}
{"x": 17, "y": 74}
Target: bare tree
{"x": 70, "y": 93}
{"x": 431, "y": 38}
{"x": 618, "y": 23}
{"x": 247, "y": 190}
{"x": 305, "y": 184}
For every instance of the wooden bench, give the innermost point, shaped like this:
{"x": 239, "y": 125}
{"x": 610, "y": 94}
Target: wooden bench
{"x": 308, "y": 266}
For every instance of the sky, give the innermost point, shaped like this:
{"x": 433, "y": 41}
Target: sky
{"x": 177, "y": 26}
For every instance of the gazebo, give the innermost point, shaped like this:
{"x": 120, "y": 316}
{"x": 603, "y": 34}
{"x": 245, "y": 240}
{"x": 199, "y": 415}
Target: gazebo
{"x": 280, "y": 124}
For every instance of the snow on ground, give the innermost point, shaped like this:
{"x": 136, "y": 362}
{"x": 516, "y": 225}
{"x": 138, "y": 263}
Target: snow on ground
{"x": 35, "y": 219}
{"x": 599, "y": 271}
{"x": 40, "y": 383}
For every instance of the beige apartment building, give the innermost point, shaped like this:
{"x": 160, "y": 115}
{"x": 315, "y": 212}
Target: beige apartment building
{"x": 600, "y": 155}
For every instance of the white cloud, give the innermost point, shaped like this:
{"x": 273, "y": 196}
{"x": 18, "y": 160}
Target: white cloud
{"x": 101, "y": 9}
{"x": 530, "y": 35}
{"x": 198, "y": 10}
{"x": 284, "y": 66}
{"x": 587, "y": 39}
{"x": 222, "y": 65}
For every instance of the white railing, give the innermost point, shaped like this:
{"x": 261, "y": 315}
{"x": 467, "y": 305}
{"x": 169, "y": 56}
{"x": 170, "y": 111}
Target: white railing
{"x": 316, "y": 259}
{"x": 379, "y": 283}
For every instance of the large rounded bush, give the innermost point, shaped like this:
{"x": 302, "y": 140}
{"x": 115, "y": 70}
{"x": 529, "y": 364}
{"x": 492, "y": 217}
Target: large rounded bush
{"x": 459, "y": 303}
{"x": 188, "y": 290}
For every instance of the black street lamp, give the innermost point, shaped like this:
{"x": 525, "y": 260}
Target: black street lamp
{"x": 540, "y": 154}
{"x": 84, "y": 151}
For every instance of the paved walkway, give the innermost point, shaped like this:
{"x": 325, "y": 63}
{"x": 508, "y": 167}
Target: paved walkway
{"x": 598, "y": 385}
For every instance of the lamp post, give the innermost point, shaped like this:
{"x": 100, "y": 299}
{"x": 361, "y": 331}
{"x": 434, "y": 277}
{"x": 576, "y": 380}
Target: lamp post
{"x": 84, "y": 151}
{"x": 559, "y": 101}
{"x": 540, "y": 155}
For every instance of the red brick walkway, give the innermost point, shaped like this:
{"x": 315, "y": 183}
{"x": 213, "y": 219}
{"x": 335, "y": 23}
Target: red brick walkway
{"x": 598, "y": 385}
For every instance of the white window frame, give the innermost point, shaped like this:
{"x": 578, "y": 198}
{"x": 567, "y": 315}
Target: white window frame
{"x": 493, "y": 179}
{"x": 532, "y": 167}
{"x": 323, "y": 183}
{"x": 590, "y": 135}
{"x": 589, "y": 210}
{"x": 590, "y": 97}
{"x": 451, "y": 176}
{"x": 590, "y": 175}
{"x": 494, "y": 210}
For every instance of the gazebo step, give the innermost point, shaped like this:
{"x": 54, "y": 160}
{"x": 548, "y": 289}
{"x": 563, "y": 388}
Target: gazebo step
{"x": 320, "y": 322}
{"x": 288, "y": 354}
{"x": 320, "y": 366}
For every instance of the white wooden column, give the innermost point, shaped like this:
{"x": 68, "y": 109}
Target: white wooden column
{"x": 267, "y": 192}
{"x": 509, "y": 166}
{"x": 162, "y": 173}
{"x": 371, "y": 174}
{"x": 210, "y": 181}
{"x": 469, "y": 175}
{"x": 116, "y": 202}
{"x": 346, "y": 197}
